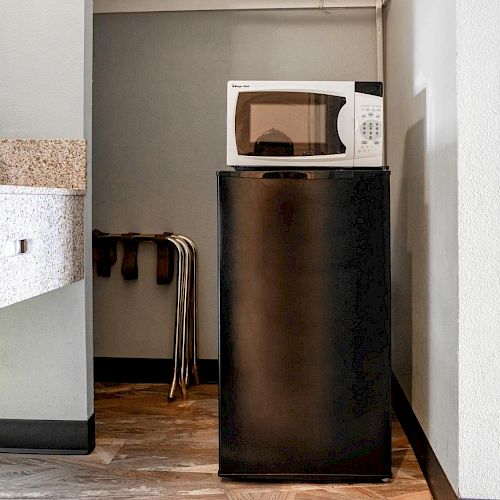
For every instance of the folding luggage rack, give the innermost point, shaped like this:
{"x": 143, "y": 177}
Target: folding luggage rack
{"x": 185, "y": 336}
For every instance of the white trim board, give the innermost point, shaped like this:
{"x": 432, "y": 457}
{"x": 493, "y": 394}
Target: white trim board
{"x": 115, "y": 6}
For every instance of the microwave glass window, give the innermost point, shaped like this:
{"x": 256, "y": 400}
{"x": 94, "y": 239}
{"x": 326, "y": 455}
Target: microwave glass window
{"x": 288, "y": 124}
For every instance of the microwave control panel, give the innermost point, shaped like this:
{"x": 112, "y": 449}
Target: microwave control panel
{"x": 369, "y": 130}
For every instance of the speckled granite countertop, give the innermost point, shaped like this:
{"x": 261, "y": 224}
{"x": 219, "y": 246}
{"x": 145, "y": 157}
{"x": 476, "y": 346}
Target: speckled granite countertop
{"x": 47, "y": 163}
{"x": 42, "y": 183}
{"x": 53, "y": 227}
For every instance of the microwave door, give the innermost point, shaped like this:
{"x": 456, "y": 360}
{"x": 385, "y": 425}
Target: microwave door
{"x": 293, "y": 128}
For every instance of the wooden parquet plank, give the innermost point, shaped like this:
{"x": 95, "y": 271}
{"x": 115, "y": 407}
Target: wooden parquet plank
{"x": 149, "y": 448}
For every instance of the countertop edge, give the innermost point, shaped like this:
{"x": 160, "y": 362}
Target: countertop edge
{"x": 37, "y": 190}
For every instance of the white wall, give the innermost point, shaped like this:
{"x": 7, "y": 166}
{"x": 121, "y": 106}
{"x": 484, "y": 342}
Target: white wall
{"x": 45, "y": 342}
{"x": 422, "y": 154}
{"x": 478, "y": 79}
{"x": 443, "y": 76}
{"x": 160, "y": 136}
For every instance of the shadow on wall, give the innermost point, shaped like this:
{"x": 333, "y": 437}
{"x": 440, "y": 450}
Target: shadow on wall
{"x": 422, "y": 148}
{"x": 411, "y": 249}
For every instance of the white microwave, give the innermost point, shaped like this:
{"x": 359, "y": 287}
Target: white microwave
{"x": 304, "y": 124}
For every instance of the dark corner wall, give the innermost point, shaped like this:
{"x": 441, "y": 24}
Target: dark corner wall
{"x": 160, "y": 137}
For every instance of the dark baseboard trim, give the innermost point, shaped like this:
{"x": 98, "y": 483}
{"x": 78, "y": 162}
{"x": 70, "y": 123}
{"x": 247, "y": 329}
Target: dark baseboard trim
{"x": 436, "y": 478}
{"x": 61, "y": 437}
{"x": 148, "y": 370}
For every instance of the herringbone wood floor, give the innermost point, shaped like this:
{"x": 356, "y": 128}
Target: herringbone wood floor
{"x": 148, "y": 448}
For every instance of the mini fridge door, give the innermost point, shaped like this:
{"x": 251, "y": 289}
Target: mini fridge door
{"x": 304, "y": 325}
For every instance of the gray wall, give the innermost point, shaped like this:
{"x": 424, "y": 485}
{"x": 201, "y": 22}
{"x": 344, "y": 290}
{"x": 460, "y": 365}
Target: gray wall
{"x": 422, "y": 152}
{"x": 46, "y": 342}
{"x": 160, "y": 134}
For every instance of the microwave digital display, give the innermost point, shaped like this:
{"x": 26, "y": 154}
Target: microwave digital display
{"x": 288, "y": 124}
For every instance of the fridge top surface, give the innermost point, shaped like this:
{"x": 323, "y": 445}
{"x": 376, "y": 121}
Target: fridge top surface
{"x": 332, "y": 173}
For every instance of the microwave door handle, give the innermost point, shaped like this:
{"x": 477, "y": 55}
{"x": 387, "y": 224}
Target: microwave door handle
{"x": 345, "y": 128}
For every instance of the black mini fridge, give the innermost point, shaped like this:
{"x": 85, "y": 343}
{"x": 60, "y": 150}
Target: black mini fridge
{"x": 304, "y": 325}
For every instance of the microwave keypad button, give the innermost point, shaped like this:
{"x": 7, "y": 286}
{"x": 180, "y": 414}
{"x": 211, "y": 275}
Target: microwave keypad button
{"x": 371, "y": 129}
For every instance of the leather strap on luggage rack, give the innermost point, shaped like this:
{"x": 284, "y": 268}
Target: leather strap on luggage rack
{"x": 103, "y": 252}
{"x": 164, "y": 259}
{"x": 130, "y": 270}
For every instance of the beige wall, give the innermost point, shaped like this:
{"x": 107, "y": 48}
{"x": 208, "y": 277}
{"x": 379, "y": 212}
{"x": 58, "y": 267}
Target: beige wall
{"x": 160, "y": 134}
